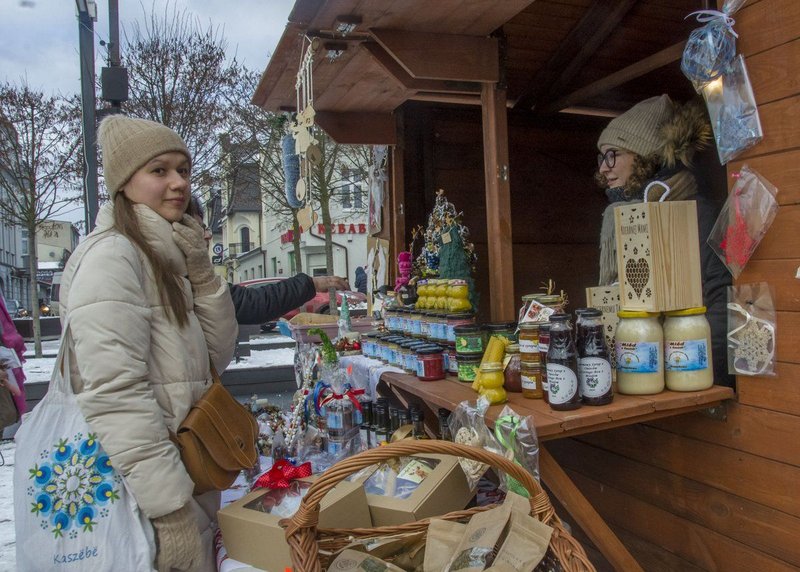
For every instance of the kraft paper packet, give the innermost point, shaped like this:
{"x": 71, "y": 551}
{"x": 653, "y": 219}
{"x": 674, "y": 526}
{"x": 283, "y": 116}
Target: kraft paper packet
{"x": 403, "y": 550}
{"x": 352, "y": 561}
{"x": 524, "y": 546}
{"x": 476, "y": 549}
{"x": 444, "y": 537}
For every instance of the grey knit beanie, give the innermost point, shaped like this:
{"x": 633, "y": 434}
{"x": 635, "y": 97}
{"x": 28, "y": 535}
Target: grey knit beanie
{"x": 638, "y": 129}
{"x": 128, "y": 144}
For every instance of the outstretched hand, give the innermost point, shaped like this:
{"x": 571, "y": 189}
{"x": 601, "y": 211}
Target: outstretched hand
{"x": 324, "y": 283}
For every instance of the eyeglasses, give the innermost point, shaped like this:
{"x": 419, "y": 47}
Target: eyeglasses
{"x": 609, "y": 158}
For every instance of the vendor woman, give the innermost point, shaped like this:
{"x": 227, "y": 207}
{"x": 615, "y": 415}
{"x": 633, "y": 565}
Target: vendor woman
{"x": 647, "y": 153}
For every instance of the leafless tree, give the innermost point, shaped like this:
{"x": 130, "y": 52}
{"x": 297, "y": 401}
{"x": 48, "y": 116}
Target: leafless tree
{"x": 39, "y": 179}
{"x": 179, "y": 75}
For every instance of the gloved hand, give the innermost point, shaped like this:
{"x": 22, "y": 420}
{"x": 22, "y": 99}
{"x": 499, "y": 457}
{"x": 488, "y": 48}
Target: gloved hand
{"x": 188, "y": 235}
{"x": 177, "y": 540}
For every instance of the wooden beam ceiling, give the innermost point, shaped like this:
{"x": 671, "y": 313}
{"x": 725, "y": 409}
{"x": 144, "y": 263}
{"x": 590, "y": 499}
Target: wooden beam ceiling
{"x": 623, "y": 76}
{"x": 596, "y": 25}
{"x": 358, "y": 128}
{"x": 442, "y": 56}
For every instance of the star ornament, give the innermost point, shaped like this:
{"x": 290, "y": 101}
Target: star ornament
{"x": 754, "y": 346}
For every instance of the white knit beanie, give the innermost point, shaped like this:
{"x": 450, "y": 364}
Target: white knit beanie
{"x": 638, "y": 129}
{"x": 128, "y": 144}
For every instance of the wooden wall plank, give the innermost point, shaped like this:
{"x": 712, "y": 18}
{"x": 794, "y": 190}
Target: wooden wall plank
{"x": 782, "y": 239}
{"x": 750, "y": 523}
{"x": 697, "y": 544}
{"x": 779, "y": 134}
{"x": 781, "y": 169}
{"x": 788, "y": 337}
{"x": 780, "y": 393}
{"x": 766, "y": 24}
{"x": 773, "y": 72}
{"x": 762, "y": 480}
{"x": 751, "y": 429}
{"x": 781, "y": 275}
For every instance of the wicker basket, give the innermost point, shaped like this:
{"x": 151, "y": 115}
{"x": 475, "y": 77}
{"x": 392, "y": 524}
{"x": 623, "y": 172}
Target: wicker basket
{"x": 311, "y": 548}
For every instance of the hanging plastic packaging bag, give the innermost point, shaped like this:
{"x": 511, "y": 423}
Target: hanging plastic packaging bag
{"x": 72, "y": 509}
{"x": 517, "y": 435}
{"x": 710, "y": 49}
{"x": 733, "y": 111}
{"x": 751, "y": 330}
{"x": 744, "y": 219}
{"x": 468, "y": 427}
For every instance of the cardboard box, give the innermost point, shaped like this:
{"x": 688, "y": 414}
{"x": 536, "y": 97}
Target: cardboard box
{"x": 444, "y": 490}
{"x": 658, "y": 256}
{"x": 606, "y": 299}
{"x": 250, "y": 528}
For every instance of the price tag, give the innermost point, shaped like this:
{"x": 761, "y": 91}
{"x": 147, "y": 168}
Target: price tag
{"x": 446, "y": 238}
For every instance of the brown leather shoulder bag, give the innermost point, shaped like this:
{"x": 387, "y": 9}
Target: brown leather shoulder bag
{"x": 217, "y": 439}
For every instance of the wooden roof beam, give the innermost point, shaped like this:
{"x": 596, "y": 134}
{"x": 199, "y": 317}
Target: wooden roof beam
{"x": 413, "y": 84}
{"x": 633, "y": 71}
{"x": 358, "y": 128}
{"x": 596, "y": 25}
{"x": 442, "y": 56}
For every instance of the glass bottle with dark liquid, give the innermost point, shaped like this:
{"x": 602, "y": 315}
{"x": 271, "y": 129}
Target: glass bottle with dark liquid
{"x": 594, "y": 364}
{"x": 562, "y": 366}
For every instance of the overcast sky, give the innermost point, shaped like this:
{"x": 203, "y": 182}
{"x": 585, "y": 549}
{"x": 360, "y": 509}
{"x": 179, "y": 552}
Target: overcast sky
{"x": 40, "y": 38}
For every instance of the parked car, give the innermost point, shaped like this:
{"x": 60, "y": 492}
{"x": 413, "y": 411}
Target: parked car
{"x": 319, "y": 304}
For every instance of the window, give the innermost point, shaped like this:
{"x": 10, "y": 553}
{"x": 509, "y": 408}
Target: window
{"x": 245, "y": 236}
{"x": 350, "y": 191}
{"x": 245, "y": 274}
{"x": 260, "y": 271}
{"x": 24, "y": 248}
{"x": 274, "y": 266}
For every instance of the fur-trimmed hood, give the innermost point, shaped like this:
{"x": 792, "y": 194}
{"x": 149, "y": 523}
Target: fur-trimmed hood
{"x": 685, "y": 133}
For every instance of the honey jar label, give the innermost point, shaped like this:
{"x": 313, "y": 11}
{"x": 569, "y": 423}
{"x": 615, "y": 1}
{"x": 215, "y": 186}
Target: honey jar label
{"x": 688, "y": 355}
{"x": 638, "y": 357}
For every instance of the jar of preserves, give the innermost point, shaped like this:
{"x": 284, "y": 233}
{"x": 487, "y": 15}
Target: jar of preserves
{"x": 594, "y": 362}
{"x": 544, "y": 346}
{"x": 531, "y": 380}
{"x": 454, "y": 320}
{"x": 468, "y": 365}
{"x": 511, "y": 374}
{"x": 430, "y": 364}
{"x": 506, "y": 330}
{"x": 438, "y": 327}
{"x": 640, "y": 353}
{"x": 469, "y": 340}
{"x": 452, "y": 361}
{"x": 414, "y": 328}
{"x": 492, "y": 382}
{"x": 562, "y": 366}
{"x": 687, "y": 350}
{"x": 424, "y": 325}
{"x": 529, "y": 341}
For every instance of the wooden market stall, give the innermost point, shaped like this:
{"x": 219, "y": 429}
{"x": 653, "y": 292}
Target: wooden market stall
{"x": 501, "y": 104}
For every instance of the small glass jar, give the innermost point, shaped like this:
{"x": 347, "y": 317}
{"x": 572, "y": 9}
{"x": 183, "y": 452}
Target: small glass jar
{"x": 640, "y": 353}
{"x": 511, "y": 374}
{"x": 402, "y": 322}
{"x": 544, "y": 346}
{"x": 531, "y": 380}
{"x": 469, "y": 340}
{"x": 438, "y": 328}
{"x": 468, "y": 365}
{"x": 687, "y": 350}
{"x": 415, "y": 329}
{"x": 404, "y": 354}
{"x": 425, "y": 325}
{"x": 529, "y": 341}
{"x": 393, "y": 355}
{"x": 455, "y": 320}
{"x": 392, "y": 320}
{"x": 430, "y": 364}
{"x": 452, "y": 361}
{"x": 506, "y": 330}
{"x": 368, "y": 344}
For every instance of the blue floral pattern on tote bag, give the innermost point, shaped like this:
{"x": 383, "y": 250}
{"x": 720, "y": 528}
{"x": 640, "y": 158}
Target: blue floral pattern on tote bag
{"x": 73, "y": 486}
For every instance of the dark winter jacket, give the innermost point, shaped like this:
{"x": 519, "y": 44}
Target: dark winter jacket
{"x": 269, "y": 302}
{"x": 361, "y": 280}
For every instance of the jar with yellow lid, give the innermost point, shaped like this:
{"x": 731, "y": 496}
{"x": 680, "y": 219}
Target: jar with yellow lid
{"x": 492, "y": 382}
{"x": 640, "y": 353}
{"x": 687, "y": 350}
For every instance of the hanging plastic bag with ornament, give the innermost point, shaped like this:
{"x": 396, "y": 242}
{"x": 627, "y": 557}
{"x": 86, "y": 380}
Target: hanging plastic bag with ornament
{"x": 711, "y": 49}
{"x": 751, "y": 330}
{"x": 733, "y": 111}
{"x": 744, "y": 219}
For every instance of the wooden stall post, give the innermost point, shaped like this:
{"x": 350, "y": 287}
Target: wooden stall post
{"x": 498, "y": 202}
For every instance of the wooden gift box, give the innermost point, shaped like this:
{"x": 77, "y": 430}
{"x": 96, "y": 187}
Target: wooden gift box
{"x": 606, "y": 299}
{"x": 658, "y": 256}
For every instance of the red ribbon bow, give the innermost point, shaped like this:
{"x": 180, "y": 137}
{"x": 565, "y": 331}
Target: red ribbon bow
{"x": 281, "y": 474}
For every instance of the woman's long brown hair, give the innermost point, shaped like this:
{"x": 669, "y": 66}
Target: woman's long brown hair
{"x": 169, "y": 284}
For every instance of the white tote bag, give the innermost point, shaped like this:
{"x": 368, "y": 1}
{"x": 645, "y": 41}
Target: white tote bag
{"x": 72, "y": 509}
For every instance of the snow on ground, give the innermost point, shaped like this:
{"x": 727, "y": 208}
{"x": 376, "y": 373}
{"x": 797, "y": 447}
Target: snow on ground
{"x": 265, "y": 358}
{"x": 270, "y": 339}
{"x": 38, "y": 370}
{"x": 8, "y": 557}
{"x": 49, "y": 348}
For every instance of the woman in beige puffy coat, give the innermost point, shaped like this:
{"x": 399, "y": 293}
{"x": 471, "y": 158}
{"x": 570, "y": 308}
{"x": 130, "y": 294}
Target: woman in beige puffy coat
{"x": 146, "y": 312}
